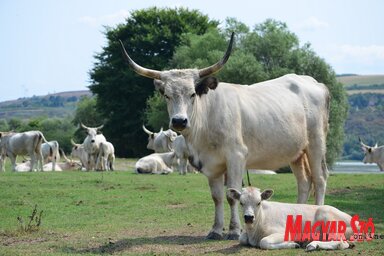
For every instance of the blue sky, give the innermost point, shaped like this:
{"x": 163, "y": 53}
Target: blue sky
{"x": 48, "y": 46}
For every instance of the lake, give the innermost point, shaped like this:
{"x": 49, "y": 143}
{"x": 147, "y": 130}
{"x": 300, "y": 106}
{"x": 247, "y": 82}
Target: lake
{"x": 354, "y": 167}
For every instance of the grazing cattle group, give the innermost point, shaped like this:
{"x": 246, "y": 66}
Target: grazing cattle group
{"x": 94, "y": 153}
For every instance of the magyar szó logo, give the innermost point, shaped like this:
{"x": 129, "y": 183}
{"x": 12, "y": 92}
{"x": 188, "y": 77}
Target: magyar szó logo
{"x": 328, "y": 230}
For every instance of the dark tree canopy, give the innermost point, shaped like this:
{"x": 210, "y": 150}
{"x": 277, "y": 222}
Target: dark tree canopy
{"x": 150, "y": 36}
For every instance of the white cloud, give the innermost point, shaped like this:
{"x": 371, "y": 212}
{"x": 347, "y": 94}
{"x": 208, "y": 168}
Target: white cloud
{"x": 359, "y": 59}
{"x": 313, "y": 23}
{"x": 364, "y": 53}
{"x": 105, "y": 20}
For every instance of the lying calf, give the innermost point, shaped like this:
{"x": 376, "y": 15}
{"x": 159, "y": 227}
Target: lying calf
{"x": 265, "y": 221}
{"x": 156, "y": 163}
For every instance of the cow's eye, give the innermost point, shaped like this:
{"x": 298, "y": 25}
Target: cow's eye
{"x": 259, "y": 204}
{"x": 193, "y": 95}
{"x": 166, "y": 97}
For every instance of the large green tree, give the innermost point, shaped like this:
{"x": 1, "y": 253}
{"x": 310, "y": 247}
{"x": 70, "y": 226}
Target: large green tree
{"x": 151, "y": 36}
{"x": 267, "y": 52}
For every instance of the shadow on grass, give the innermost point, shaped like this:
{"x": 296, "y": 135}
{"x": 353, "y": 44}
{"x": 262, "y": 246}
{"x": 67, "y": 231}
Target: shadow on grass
{"x": 127, "y": 244}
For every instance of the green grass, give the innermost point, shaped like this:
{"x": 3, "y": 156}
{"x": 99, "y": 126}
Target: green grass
{"x": 93, "y": 213}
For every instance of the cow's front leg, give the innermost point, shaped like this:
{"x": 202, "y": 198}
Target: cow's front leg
{"x": 217, "y": 191}
{"x": 235, "y": 169}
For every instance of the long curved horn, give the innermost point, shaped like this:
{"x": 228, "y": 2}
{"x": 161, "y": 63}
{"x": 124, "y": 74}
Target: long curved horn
{"x": 73, "y": 142}
{"x": 147, "y": 131}
{"x": 64, "y": 156}
{"x": 99, "y": 127}
{"x": 216, "y": 67}
{"x": 139, "y": 69}
{"x": 82, "y": 125}
{"x": 362, "y": 143}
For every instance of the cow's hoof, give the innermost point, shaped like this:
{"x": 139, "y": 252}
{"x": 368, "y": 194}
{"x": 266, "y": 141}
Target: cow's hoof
{"x": 311, "y": 247}
{"x": 232, "y": 237}
{"x": 214, "y": 236}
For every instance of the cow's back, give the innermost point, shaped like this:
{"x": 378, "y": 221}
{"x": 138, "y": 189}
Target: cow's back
{"x": 25, "y": 143}
{"x": 270, "y": 121}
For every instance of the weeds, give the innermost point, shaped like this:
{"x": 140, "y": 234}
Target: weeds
{"x": 34, "y": 221}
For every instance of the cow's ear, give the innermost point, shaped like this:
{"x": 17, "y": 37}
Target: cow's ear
{"x": 369, "y": 150}
{"x": 234, "y": 193}
{"x": 266, "y": 194}
{"x": 159, "y": 85}
{"x": 204, "y": 85}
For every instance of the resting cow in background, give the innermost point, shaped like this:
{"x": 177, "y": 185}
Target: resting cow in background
{"x": 24, "y": 143}
{"x": 78, "y": 151}
{"x": 161, "y": 141}
{"x": 266, "y": 221}
{"x": 92, "y": 144}
{"x": 166, "y": 141}
{"x": 60, "y": 166}
{"x": 156, "y": 163}
{"x": 373, "y": 154}
{"x": 234, "y": 127}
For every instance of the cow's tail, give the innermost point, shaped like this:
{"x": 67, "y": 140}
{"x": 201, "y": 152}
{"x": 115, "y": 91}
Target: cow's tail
{"x": 308, "y": 171}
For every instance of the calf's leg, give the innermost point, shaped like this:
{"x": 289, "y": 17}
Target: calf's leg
{"x": 276, "y": 241}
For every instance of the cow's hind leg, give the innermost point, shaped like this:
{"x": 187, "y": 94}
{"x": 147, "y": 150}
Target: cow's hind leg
{"x": 276, "y": 241}
{"x": 301, "y": 170}
{"x": 318, "y": 166}
{"x": 216, "y": 185}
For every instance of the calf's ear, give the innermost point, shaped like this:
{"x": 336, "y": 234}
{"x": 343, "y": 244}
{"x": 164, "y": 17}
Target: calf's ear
{"x": 266, "y": 194}
{"x": 204, "y": 85}
{"x": 234, "y": 193}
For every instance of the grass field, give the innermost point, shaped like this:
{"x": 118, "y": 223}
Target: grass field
{"x": 120, "y": 213}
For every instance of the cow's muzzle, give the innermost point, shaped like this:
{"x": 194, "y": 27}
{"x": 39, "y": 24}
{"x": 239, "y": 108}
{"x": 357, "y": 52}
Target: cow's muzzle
{"x": 249, "y": 219}
{"x": 178, "y": 123}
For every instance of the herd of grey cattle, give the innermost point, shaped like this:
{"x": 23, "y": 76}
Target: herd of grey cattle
{"x": 94, "y": 153}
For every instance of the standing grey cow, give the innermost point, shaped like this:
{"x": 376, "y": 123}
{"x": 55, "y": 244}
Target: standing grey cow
{"x": 166, "y": 141}
{"x": 92, "y": 144}
{"x": 234, "y": 127}
{"x": 50, "y": 152}
{"x": 373, "y": 154}
{"x": 78, "y": 151}
{"x": 106, "y": 156}
{"x": 25, "y": 143}
{"x": 161, "y": 141}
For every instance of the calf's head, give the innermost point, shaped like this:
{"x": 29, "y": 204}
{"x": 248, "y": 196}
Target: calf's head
{"x": 250, "y": 199}
{"x": 181, "y": 87}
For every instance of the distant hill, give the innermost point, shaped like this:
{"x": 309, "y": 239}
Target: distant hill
{"x": 59, "y": 104}
{"x": 362, "y": 83}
